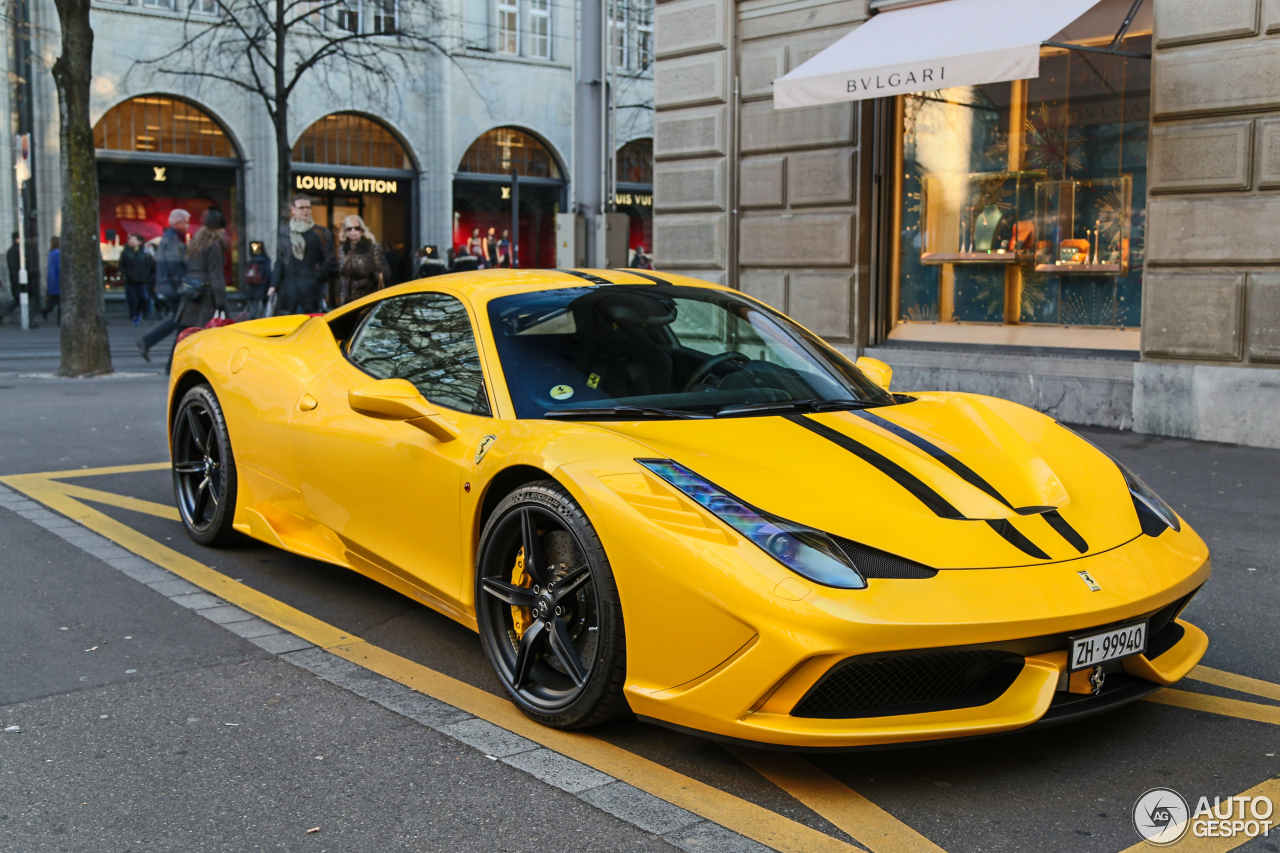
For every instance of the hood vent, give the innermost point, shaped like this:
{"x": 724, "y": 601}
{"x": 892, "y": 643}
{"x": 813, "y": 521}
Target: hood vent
{"x": 872, "y": 563}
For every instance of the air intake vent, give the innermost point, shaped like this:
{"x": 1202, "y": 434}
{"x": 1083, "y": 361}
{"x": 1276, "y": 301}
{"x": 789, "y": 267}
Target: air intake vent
{"x": 873, "y": 563}
{"x": 1033, "y": 510}
{"x": 1165, "y": 615}
{"x": 908, "y": 684}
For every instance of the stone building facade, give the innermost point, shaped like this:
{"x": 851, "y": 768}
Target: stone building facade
{"x": 507, "y": 67}
{"x": 797, "y": 207}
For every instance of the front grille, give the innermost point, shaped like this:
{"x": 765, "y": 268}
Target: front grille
{"x": 873, "y": 563}
{"x": 913, "y": 683}
{"x": 1165, "y": 615}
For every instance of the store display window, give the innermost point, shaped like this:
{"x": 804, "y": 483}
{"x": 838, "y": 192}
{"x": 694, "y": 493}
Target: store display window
{"x": 1022, "y": 204}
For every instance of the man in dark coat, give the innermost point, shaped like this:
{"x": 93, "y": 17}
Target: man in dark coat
{"x": 171, "y": 266}
{"x": 304, "y": 262}
{"x": 33, "y": 281}
{"x": 137, "y": 269}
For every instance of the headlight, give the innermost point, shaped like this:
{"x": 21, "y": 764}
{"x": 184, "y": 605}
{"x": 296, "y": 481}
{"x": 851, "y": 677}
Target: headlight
{"x": 1149, "y": 504}
{"x": 807, "y": 552}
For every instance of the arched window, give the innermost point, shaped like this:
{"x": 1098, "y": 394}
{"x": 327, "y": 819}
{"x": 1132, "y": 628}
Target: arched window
{"x": 499, "y": 151}
{"x": 347, "y": 139}
{"x": 155, "y": 124}
{"x": 635, "y": 162}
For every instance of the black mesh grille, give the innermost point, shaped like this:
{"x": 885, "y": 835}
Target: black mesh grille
{"x": 1162, "y": 617}
{"x": 910, "y": 684}
{"x": 872, "y": 563}
{"x": 1033, "y": 510}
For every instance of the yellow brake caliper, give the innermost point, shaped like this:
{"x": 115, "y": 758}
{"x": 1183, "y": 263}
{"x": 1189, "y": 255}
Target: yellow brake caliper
{"x": 521, "y": 618}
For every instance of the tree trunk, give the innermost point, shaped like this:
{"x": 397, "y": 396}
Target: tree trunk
{"x": 85, "y": 350}
{"x": 284, "y": 161}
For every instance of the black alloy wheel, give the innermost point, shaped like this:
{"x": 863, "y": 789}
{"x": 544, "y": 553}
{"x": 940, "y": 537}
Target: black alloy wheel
{"x": 204, "y": 470}
{"x": 548, "y": 610}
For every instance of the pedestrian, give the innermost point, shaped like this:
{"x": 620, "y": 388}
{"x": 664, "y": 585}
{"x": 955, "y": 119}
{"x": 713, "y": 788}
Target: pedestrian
{"x": 504, "y": 249}
{"x": 362, "y": 265}
{"x": 53, "y": 286}
{"x": 167, "y": 263}
{"x": 136, "y": 268}
{"x": 641, "y": 261}
{"x": 304, "y": 261}
{"x": 152, "y": 303}
{"x": 33, "y": 280}
{"x": 257, "y": 278}
{"x": 171, "y": 262}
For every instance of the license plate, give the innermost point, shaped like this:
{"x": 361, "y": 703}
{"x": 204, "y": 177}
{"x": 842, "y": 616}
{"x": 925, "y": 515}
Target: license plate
{"x": 1108, "y": 645}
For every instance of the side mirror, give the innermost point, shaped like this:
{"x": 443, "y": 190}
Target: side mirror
{"x": 398, "y": 400}
{"x": 877, "y": 371}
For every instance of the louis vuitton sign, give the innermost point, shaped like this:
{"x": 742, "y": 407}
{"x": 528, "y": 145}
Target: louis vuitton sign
{"x": 376, "y": 186}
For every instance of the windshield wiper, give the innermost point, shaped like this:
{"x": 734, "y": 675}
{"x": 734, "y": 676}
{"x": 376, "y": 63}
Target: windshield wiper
{"x": 634, "y": 412}
{"x": 796, "y": 406}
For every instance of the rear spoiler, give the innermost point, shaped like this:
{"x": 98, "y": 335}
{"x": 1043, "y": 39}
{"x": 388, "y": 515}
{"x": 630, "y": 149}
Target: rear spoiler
{"x": 272, "y": 327}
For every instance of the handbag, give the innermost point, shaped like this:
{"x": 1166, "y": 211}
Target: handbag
{"x": 191, "y": 288}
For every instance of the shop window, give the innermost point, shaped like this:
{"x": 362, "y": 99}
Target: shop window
{"x": 347, "y": 139}
{"x": 1023, "y": 203}
{"x": 509, "y": 26}
{"x": 540, "y": 28}
{"x": 499, "y": 151}
{"x": 635, "y": 162}
{"x": 159, "y": 125}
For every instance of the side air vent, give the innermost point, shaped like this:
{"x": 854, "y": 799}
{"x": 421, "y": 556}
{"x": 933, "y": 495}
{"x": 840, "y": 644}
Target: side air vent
{"x": 909, "y": 684}
{"x": 1033, "y": 510}
{"x": 873, "y": 563}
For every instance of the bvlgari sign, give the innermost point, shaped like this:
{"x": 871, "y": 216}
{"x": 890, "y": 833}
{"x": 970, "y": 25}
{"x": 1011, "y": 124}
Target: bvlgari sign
{"x": 348, "y": 185}
{"x": 909, "y": 47}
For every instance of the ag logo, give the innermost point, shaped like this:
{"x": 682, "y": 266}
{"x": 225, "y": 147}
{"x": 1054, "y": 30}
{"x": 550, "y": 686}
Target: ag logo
{"x": 485, "y": 444}
{"x": 1160, "y": 816}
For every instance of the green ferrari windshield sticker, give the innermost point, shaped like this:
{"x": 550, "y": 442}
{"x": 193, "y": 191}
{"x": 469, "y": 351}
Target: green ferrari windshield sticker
{"x": 561, "y": 392}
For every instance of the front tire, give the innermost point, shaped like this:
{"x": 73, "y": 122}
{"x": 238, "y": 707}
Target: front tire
{"x": 204, "y": 469}
{"x": 548, "y": 609}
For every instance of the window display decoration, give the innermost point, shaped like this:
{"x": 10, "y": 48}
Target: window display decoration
{"x": 1084, "y": 226}
{"x": 979, "y": 218}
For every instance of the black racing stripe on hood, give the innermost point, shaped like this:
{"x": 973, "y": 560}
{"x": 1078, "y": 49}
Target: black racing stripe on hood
{"x": 652, "y": 278}
{"x": 1069, "y": 533}
{"x": 594, "y": 279}
{"x": 1015, "y": 538}
{"x": 927, "y": 496}
{"x": 961, "y": 470}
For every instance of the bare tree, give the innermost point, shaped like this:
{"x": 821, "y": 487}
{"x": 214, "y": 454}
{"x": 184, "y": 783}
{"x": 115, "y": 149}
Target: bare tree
{"x": 85, "y": 350}
{"x": 267, "y": 48}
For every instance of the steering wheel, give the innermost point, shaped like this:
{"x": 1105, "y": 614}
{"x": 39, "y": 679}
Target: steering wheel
{"x": 704, "y": 369}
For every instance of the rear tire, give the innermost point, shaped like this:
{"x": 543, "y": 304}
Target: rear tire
{"x": 557, "y": 643}
{"x": 204, "y": 469}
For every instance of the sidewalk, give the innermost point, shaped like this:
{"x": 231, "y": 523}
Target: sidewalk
{"x": 37, "y": 351}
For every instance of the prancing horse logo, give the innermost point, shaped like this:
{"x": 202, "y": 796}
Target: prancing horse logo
{"x": 1088, "y": 579}
{"x": 485, "y": 444}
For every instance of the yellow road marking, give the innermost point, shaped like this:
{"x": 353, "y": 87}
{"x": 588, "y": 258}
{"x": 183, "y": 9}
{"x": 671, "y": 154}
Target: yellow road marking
{"x": 121, "y": 501}
{"x": 96, "y": 472}
{"x": 707, "y": 801}
{"x": 1217, "y": 705}
{"x": 1242, "y": 683}
{"x": 870, "y": 825}
{"x": 1190, "y": 844}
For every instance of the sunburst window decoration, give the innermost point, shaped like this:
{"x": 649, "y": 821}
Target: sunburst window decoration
{"x": 1110, "y": 219}
{"x": 1054, "y": 142}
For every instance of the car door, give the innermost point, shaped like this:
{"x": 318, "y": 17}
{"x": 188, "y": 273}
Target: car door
{"x": 389, "y": 490}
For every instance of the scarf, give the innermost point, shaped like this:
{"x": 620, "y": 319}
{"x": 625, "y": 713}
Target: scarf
{"x": 296, "y": 229}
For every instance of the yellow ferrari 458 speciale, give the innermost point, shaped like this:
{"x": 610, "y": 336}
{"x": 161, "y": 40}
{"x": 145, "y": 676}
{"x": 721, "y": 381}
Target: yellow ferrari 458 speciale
{"x": 652, "y": 494}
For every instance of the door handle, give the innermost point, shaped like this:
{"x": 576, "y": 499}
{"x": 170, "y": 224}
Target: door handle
{"x": 307, "y": 403}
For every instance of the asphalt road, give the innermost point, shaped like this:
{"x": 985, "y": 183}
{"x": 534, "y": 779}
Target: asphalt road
{"x": 125, "y": 699}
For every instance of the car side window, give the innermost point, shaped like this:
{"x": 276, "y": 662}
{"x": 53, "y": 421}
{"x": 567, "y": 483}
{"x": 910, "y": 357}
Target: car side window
{"x": 427, "y": 339}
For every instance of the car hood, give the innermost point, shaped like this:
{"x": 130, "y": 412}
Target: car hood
{"x": 939, "y": 480}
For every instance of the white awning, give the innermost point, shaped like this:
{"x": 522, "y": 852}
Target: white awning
{"x": 936, "y": 45}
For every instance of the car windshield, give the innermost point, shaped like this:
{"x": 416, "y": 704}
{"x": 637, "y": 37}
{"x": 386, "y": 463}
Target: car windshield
{"x": 665, "y": 351}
